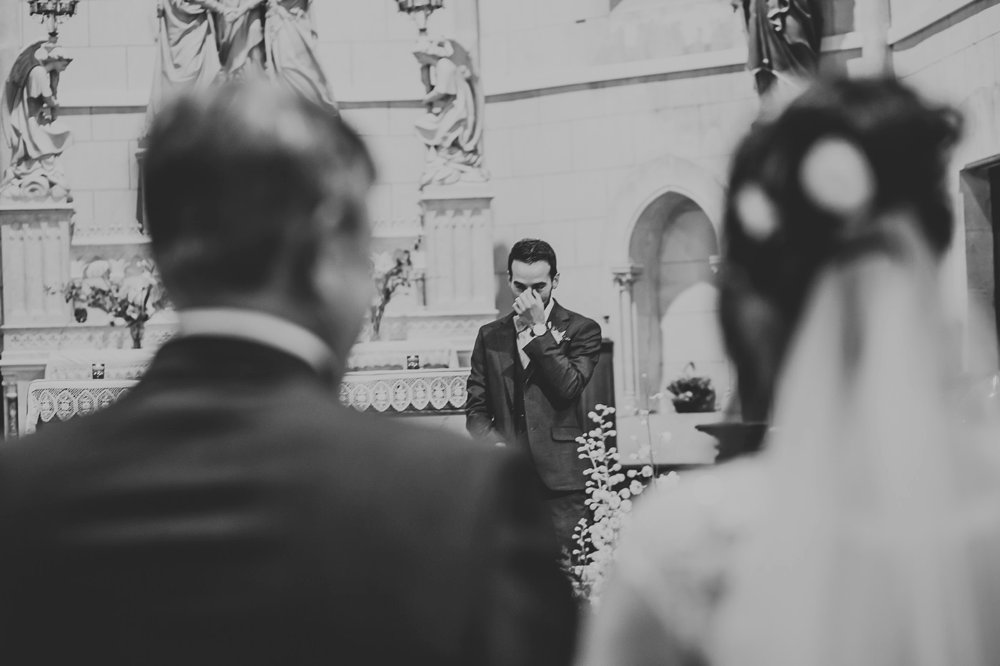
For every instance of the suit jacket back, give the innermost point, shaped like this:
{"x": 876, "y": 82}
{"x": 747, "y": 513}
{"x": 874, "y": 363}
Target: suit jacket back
{"x": 229, "y": 511}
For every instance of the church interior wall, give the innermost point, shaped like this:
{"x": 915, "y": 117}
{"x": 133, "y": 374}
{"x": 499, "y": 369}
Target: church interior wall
{"x": 951, "y": 55}
{"x": 583, "y": 97}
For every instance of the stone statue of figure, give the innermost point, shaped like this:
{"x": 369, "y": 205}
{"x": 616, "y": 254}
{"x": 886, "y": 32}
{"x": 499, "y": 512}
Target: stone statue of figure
{"x": 784, "y": 39}
{"x": 187, "y": 54}
{"x": 452, "y": 127}
{"x": 32, "y": 132}
{"x": 240, "y": 36}
{"x": 291, "y": 43}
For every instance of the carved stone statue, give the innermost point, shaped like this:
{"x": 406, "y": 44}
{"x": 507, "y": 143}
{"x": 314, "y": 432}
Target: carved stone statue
{"x": 32, "y": 132}
{"x": 784, "y": 39}
{"x": 452, "y": 127}
{"x": 240, "y": 30}
{"x": 290, "y": 36}
{"x": 187, "y": 54}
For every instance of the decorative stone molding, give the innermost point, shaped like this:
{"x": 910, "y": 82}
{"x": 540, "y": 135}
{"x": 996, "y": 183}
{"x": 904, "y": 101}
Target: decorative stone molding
{"x": 458, "y": 227}
{"x": 421, "y": 325}
{"x": 408, "y": 227}
{"x": 80, "y": 336}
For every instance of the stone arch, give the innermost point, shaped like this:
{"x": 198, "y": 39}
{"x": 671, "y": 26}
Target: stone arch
{"x": 648, "y": 183}
{"x": 659, "y": 189}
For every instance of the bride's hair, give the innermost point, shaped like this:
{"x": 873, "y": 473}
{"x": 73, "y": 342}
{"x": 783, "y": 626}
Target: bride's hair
{"x": 802, "y": 189}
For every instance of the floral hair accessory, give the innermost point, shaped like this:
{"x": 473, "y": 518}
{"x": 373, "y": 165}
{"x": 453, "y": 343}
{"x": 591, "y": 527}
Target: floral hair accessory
{"x": 756, "y": 213}
{"x": 837, "y": 177}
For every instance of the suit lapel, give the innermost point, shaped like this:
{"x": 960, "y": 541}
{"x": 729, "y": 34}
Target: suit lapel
{"x": 559, "y": 318}
{"x": 506, "y": 345}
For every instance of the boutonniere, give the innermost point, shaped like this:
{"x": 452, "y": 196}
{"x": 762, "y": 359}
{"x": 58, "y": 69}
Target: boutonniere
{"x": 558, "y": 335}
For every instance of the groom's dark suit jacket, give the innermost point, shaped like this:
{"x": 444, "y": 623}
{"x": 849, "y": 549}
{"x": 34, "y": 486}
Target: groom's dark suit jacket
{"x": 538, "y": 406}
{"x": 229, "y": 511}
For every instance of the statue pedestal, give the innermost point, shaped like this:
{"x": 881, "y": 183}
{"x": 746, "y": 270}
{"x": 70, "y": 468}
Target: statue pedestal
{"x": 458, "y": 227}
{"x": 35, "y": 251}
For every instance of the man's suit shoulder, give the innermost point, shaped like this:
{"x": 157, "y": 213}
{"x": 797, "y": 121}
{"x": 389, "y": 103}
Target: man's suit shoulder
{"x": 493, "y": 326}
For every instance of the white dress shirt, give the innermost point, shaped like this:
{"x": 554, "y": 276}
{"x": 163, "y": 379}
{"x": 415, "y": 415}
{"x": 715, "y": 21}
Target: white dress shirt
{"x": 259, "y": 327}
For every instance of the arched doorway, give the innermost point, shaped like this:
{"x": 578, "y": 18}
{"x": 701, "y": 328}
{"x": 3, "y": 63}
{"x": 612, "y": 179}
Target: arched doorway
{"x": 676, "y": 302}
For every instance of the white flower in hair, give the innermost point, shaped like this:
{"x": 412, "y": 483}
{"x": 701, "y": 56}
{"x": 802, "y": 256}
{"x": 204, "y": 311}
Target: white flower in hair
{"x": 837, "y": 176}
{"x": 756, "y": 213}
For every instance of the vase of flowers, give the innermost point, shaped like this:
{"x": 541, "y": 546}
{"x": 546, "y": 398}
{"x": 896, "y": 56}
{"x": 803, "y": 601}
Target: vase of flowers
{"x": 390, "y": 272}
{"x": 130, "y": 301}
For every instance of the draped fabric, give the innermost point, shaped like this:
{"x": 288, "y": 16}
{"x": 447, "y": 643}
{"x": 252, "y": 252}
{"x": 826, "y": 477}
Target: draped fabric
{"x": 241, "y": 40}
{"x": 292, "y": 50}
{"x": 187, "y": 56}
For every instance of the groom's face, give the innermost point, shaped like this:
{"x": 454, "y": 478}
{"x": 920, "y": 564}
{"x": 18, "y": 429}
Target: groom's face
{"x": 533, "y": 276}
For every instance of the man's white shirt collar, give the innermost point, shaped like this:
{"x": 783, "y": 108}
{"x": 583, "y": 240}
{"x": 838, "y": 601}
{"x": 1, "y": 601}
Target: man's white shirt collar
{"x": 257, "y": 327}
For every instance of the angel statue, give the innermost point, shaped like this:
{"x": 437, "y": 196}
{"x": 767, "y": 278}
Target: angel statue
{"x": 32, "y": 133}
{"x": 292, "y": 51}
{"x": 452, "y": 127}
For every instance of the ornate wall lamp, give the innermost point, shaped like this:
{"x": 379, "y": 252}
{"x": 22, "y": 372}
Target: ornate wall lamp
{"x": 421, "y": 10}
{"x": 53, "y": 11}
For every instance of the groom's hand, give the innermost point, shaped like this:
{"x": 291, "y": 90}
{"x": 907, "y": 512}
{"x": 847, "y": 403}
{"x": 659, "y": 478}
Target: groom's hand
{"x": 530, "y": 308}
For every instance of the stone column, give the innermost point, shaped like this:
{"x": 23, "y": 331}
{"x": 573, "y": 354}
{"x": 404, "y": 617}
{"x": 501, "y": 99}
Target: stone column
{"x": 625, "y": 277}
{"x": 872, "y": 20}
{"x": 11, "y": 404}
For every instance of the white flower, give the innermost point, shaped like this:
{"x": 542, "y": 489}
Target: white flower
{"x": 558, "y": 335}
{"x": 837, "y": 176}
{"x": 755, "y": 212}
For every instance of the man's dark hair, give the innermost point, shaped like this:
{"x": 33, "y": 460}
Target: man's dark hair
{"x": 235, "y": 179}
{"x": 530, "y": 250}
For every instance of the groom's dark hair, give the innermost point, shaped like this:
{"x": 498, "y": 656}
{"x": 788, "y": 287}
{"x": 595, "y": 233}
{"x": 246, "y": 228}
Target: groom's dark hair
{"x": 530, "y": 250}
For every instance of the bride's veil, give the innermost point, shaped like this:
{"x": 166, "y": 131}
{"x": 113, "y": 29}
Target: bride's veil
{"x": 883, "y": 543}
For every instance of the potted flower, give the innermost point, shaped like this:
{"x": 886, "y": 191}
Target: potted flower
{"x": 691, "y": 393}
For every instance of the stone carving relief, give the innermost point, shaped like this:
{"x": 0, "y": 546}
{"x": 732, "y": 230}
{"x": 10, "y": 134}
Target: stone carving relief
{"x": 203, "y": 41}
{"x": 452, "y": 126}
{"x": 31, "y": 130}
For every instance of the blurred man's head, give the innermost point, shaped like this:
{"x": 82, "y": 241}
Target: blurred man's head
{"x": 256, "y": 198}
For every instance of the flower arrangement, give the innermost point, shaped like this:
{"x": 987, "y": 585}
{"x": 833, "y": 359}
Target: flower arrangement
{"x": 390, "y": 272}
{"x": 692, "y": 393}
{"x": 610, "y": 490}
{"x": 130, "y": 301}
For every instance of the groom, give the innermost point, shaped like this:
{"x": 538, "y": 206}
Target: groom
{"x": 529, "y": 370}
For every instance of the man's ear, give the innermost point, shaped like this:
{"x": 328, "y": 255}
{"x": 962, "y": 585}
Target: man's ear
{"x": 555, "y": 281}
